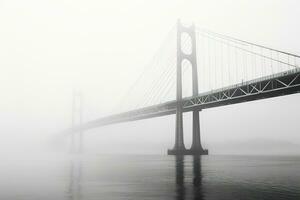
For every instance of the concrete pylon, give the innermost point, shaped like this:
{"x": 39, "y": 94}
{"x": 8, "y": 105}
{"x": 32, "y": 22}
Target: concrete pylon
{"x": 179, "y": 148}
{"x": 196, "y": 148}
{"x": 77, "y": 111}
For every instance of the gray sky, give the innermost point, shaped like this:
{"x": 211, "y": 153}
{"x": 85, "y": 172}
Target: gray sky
{"x": 49, "y": 47}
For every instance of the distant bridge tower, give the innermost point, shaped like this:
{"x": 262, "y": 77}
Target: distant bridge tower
{"x": 179, "y": 148}
{"x": 77, "y": 112}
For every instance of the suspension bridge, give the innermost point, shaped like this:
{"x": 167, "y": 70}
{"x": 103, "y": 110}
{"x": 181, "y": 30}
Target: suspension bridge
{"x": 229, "y": 71}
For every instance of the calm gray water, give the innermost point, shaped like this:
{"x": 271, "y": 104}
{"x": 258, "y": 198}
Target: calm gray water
{"x": 150, "y": 177}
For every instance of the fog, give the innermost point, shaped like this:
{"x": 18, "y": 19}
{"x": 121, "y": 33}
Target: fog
{"x": 49, "y": 48}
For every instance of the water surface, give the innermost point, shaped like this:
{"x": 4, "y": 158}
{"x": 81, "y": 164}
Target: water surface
{"x": 150, "y": 177}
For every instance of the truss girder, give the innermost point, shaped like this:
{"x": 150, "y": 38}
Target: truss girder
{"x": 277, "y": 85}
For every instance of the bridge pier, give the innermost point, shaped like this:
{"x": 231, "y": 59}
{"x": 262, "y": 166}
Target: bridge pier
{"x": 179, "y": 148}
{"x": 76, "y": 144}
{"x": 196, "y": 148}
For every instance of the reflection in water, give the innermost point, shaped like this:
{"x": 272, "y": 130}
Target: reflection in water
{"x": 197, "y": 178}
{"x": 197, "y": 182}
{"x": 180, "y": 188}
{"x": 75, "y": 179}
{"x": 184, "y": 189}
{"x": 150, "y": 177}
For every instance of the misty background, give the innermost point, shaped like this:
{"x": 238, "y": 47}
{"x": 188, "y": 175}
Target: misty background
{"x": 50, "y": 47}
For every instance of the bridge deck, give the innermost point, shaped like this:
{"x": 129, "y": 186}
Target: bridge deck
{"x": 284, "y": 83}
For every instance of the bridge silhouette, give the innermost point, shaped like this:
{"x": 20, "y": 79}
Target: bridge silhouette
{"x": 231, "y": 71}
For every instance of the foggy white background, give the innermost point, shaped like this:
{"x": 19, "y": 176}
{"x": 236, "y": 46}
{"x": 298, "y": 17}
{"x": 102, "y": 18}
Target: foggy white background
{"x": 50, "y": 47}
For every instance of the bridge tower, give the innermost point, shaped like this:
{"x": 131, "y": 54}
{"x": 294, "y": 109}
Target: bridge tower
{"x": 179, "y": 148}
{"x": 77, "y": 111}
